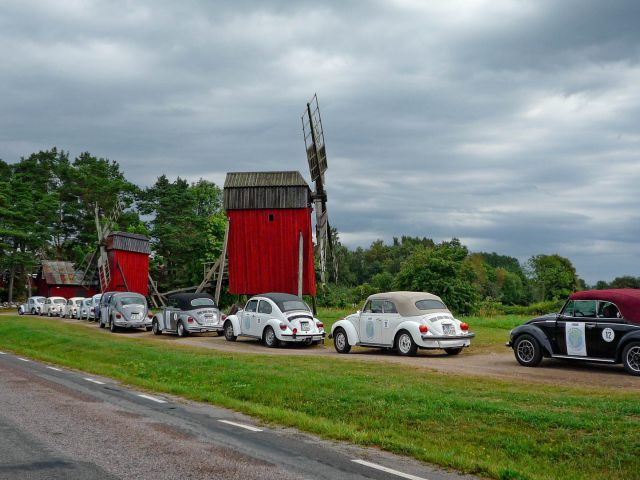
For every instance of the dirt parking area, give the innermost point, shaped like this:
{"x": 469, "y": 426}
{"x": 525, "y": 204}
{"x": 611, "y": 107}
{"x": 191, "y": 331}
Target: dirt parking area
{"x": 501, "y": 366}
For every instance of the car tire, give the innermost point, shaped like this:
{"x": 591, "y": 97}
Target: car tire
{"x": 631, "y": 358}
{"x": 220, "y": 333}
{"x": 341, "y": 341}
{"x": 100, "y": 324}
{"x": 527, "y": 351}
{"x": 112, "y": 326}
{"x": 453, "y": 350}
{"x": 33, "y": 311}
{"x": 155, "y": 327}
{"x": 20, "y": 312}
{"x": 269, "y": 338}
{"x": 405, "y": 345}
{"x": 148, "y": 329}
{"x": 182, "y": 332}
{"x": 228, "y": 332}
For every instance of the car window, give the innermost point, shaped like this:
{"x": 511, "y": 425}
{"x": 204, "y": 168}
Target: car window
{"x": 376, "y": 306}
{"x": 430, "y": 304}
{"x": 60, "y": 301}
{"x": 367, "y": 307}
{"x": 48, "y": 302}
{"x": 204, "y": 302}
{"x": 264, "y": 307}
{"x": 567, "y": 311}
{"x": 389, "y": 307}
{"x": 608, "y": 310}
{"x": 112, "y": 301}
{"x": 292, "y": 305}
{"x": 252, "y": 305}
{"x": 585, "y": 308}
{"x": 69, "y": 302}
{"x": 132, "y": 300}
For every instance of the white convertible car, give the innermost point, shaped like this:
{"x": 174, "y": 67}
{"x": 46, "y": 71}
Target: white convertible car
{"x": 275, "y": 318}
{"x": 404, "y": 321}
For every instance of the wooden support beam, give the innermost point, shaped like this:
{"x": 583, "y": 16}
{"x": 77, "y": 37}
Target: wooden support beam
{"x": 300, "y": 264}
{"x": 223, "y": 258}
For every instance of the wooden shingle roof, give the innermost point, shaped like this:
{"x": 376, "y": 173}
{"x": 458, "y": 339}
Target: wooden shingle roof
{"x": 258, "y": 190}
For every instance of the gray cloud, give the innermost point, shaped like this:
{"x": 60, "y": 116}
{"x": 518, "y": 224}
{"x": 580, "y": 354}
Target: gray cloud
{"x": 512, "y": 125}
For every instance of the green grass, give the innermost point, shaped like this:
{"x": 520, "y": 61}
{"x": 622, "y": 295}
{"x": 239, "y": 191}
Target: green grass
{"x": 481, "y": 426}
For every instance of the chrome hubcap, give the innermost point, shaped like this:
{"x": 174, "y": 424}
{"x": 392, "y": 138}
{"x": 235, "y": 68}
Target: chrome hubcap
{"x": 526, "y": 351}
{"x": 340, "y": 341}
{"x": 404, "y": 343}
{"x": 180, "y": 330}
{"x": 633, "y": 359}
{"x": 269, "y": 336}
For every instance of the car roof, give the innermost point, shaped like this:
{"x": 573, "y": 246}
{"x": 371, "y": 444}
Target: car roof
{"x": 280, "y": 297}
{"x": 184, "y": 299}
{"x": 405, "y": 302}
{"x": 626, "y": 299}
{"x": 127, "y": 294}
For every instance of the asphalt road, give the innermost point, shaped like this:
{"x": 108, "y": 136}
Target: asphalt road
{"x": 62, "y": 424}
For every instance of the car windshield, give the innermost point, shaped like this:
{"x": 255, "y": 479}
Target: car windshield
{"x": 291, "y": 305}
{"x": 131, "y": 301}
{"x": 430, "y": 305}
{"x": 205, "y": 302}
{"x": 59, "y": 300}
{"x": 39, "y": 299}
{"x": 78, "y": 302}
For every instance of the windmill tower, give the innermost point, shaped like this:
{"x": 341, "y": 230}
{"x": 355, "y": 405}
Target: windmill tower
{"x": 317, "y": 158}
{"x": 121, "y": 259}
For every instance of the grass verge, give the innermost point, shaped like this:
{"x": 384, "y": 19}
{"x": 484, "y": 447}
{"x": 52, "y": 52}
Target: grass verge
{"x": 481, "y": 426}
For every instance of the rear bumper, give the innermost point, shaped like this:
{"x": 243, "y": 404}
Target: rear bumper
{"x": 466, "y": 336}
{"x": 125, "y": 324}
{"x": 302, "y": 337}
{"x": 204, "y": 328}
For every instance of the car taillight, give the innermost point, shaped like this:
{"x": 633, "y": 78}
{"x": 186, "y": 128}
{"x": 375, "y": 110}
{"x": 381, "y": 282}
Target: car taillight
{"x": 118, "y": 315}
{"x": 319, "y": 324}
{"x": 283, "y": 327}
{"x": 295, "y": 330}
{"x": 423, "y": 328}
{"x": 223, "y": 317}
{"x": 150, "y": 315}
{"x": 92, "y": 309}
{"x": 464, "y": 327}
{"x": 190, "y": 319}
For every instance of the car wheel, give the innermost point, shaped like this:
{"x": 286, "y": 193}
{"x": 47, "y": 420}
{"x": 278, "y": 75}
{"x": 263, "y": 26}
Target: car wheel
{"x": 33, "y": 311}
{"x": 20, "y": 312}
{"x": 527, "y": 351}
{"x": 220, "y": 333}
{"x": 405, "y": 344}
{"x": 155, "y": 328}
{"x": 631, "y": 358}
{"x": 228, "y": 332}
{"x": 112, "y": 326}
{"x": 182, "y": 332}
{"x": 269, "y": 338}
{"x": 341, "y": 341}
{"x": 453, "y": 351}
{"x": 100, "y": 324}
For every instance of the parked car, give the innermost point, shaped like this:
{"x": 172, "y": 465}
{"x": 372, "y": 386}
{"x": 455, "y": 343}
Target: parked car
{"x": 72, "y": 306}
{"x": 83, "y": 310}
{"x": 128, "y": 310}
{"x": 404, "y": 321}
{"x": 600, "y": 326}
{"x": 187, "y": 313}
{"x": 101, "y": 312}
{"x": 275, "y": 318}
{"x": 33, "y": 306}
{"x": 53, "y": 306}
{"x": 93, "y": 306}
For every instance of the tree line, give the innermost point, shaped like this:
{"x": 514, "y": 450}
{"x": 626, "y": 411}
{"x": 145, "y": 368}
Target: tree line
{"x": 48, "y": 200}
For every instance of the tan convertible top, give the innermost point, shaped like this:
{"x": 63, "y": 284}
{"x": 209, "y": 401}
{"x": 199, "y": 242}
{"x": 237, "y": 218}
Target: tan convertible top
{"x": 405, "y": 302}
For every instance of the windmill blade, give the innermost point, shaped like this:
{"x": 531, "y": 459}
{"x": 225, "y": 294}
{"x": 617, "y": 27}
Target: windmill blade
{"x": 89, "y": 262}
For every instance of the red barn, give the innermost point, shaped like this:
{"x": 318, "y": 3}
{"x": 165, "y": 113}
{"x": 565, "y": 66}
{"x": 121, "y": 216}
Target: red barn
{"x": 128, "y": 255}
{"x": 269, "y": 217}
{"x": 60, "y": 279}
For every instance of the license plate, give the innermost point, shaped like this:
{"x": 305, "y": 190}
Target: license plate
{"x": 135, "y": 316}
{"x": 305, "y": 327}
{"x": 448, "y": 329}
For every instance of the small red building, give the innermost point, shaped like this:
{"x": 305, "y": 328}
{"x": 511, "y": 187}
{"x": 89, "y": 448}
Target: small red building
{"x": 60, "y": 279}
{"x": 269, "y": 213}
{"x": 128, "y": 255}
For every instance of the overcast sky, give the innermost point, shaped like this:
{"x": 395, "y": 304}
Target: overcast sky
{"x": 513, "y": 125}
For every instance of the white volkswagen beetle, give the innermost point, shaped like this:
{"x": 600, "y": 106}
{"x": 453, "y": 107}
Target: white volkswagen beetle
{"x": 404, "y": 321}
{"x": 275, "y": 318}
{"x": 53, "y": 306}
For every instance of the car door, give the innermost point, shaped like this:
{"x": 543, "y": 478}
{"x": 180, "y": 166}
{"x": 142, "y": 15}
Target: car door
{"x": 576, "y": 328}
{"x": 249, "y": 318}
{"x": 370, "y": 328}
{"x": 172, "y": 314}
{"x": 390, "y": 320}
{"x": 610, "y": 328}
{"x": 265, "y": 312}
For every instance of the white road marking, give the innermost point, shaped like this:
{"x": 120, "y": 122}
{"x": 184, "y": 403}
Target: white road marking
{"x": 98, "y": 382}
{"x": 153, "y": 399}
{"x": 54, "y": 368}
{"x": 241, "y": 425}
{"x": 23, "y": 359}
{"x": 388, "y": 470}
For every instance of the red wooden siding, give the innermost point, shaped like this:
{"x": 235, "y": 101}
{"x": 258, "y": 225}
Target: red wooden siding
{"x": 263, "y": 253}
{"x": 66, "y": 291}
{"x": 136, "y": 270}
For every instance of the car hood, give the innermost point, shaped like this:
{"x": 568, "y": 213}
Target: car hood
{"x": 548, "y": 316}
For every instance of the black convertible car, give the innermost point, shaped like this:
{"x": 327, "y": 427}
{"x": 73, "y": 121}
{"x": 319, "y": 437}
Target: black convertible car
{"x": 594, "y": 325}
